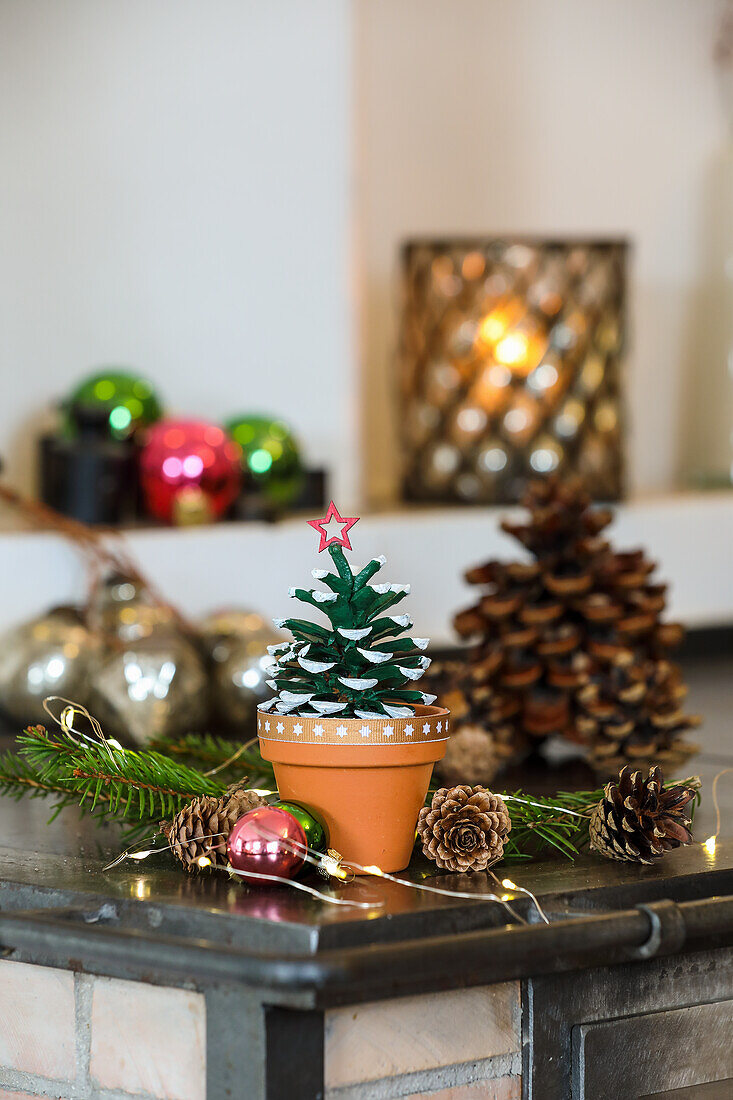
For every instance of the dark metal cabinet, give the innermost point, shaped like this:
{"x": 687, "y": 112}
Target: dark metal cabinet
{"x": 660, "y": 1027}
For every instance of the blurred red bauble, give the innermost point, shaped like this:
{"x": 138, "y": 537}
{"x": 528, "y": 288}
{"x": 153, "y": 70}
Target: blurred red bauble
{"x": 189, "y": 470}
{"x": 267, "y": 841}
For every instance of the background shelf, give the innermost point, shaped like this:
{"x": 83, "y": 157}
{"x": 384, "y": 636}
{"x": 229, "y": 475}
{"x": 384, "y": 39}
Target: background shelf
{"x": 253, "y": 564}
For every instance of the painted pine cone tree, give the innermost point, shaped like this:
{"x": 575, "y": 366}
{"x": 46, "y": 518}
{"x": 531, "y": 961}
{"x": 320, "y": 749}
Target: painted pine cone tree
{"x": 362, "y": 665}
{"x": 637, "y": 820}
{"x": 631, "y": 711}
{"x": 464, "y": 828}
{"x": 542, "y": 625}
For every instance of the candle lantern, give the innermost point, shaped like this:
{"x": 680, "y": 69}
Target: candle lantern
{"x": 510, "y": 358}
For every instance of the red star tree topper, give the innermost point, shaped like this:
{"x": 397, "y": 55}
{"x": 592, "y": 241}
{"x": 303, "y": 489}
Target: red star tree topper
{"x": 333, "y": 528}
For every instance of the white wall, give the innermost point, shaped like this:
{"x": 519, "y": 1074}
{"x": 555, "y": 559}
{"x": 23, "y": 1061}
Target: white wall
{"x": 174, "y": 195}
{"x": 181, "y": 184}
{"x": 572, "y": 116}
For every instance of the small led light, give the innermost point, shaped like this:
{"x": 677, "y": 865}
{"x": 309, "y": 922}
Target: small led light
{"x": 263, "y": 792}
{"x": 374, "y": 871}
{"x": 67, "y": 719}
{"x": 204, "y": 861}
{"x": 115, "y": 744}
{"x": 709, "y": 845}
{"x": 508, "y": 884}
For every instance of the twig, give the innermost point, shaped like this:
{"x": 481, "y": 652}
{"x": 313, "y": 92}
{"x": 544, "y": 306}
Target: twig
{"x": 93, "y": 544}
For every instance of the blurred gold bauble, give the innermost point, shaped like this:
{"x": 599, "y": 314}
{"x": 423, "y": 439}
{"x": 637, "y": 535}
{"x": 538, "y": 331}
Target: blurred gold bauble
{"x": 121, "y": 609}
{"x": 236, "y": 644}
{"x": 50, "y": 655}
{"x": 156, "y": 687}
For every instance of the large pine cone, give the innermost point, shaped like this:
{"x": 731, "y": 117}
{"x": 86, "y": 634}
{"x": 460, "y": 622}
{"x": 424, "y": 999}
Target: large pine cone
{"x": 562, "y": 528}
{"x": 634, "y": 713}
{"x": 484, "y": 738}
{"x": 464, "y": 828}
{"x": 203, "y": 826}
{"x": 637, "y": 820}
{"x": 577, "y": 598}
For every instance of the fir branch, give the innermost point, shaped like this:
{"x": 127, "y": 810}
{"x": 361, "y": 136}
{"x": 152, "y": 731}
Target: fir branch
{"x": 19, "y": 778}
{"x": 207, "y": 752}
{"x": 560, "y": 821}
{"x": 203, "y": 748}
{"x": 126, "y": 784}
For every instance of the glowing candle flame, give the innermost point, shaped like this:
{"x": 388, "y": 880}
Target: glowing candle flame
{"x": 512, "y": 349}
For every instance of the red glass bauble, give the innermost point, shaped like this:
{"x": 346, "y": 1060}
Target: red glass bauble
{"x": 267, "y": 841}
{"x": 190, "y": 471}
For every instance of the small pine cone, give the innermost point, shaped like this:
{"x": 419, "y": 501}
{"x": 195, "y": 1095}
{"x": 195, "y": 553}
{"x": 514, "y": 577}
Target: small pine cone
{"x": 203, "y": 826}
{"x": 239, "y": 799}
{"x": 470, "y": 756}
{"x": 464, "y": 828}
{"x": 637, "y": 820}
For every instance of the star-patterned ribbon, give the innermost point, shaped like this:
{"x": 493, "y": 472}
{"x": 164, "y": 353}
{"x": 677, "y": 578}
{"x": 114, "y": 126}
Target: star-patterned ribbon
{"x": 427, "y": 724}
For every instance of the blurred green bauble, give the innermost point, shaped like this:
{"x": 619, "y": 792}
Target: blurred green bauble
{"x": 125, "y": 400}
{"x": 315, "y": 829}
{"x": 270, "y": 456}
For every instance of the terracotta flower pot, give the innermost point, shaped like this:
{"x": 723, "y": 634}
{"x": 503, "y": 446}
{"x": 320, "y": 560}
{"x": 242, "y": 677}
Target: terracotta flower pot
{"x": 366, "y": 777}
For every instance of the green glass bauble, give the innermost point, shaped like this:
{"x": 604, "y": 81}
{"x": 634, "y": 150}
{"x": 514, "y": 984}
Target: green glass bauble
{"x": 127, "y": 400}
{"x": 270, "y": 456}
{"x": 315, "y": 829}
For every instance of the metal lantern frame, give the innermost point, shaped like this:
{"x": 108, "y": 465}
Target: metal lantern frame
{"x": 511, "y": 365}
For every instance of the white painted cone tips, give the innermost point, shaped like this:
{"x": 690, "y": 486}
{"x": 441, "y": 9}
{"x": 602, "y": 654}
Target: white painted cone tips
{"x": 374, "y": 656}
{"x": 316, "y": 666}
{"x": 353, "y": 635}
{"x": 398, "y": 712}
{"x": 324, "y": 708}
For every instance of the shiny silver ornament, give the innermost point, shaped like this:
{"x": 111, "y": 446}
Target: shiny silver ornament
{"x": 236, "y": 644}
{"x": 156, "y": 687}
{"x": 50, "y": 655}
{"x": 122, "y": 609}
